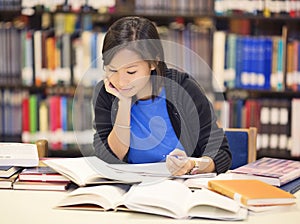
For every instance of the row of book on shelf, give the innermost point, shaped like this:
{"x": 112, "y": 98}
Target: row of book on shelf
{"x": 68, "y": 56}
{"x": 263, "y": 185}
{"x": 74, "y": 5}
{"x": 186, "y": 6}
{"x": 256, "y": 62}
{"x": 37, "y": 116}
{"x": 276, "y": 121}
{"x": 174, "y": 6}
{"x": 260, "y": 7}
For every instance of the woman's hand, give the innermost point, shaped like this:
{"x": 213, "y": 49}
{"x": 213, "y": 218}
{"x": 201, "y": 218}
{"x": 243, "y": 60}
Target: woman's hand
{"x": 110, "y": 88}
{"x": 178, "y": 163}
{"x": 203, "y": 164}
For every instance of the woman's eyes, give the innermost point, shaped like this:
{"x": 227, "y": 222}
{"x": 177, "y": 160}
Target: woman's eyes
{"x": 131, "y": 73}
{"x": 112, "y": 71}
{"x": 115, "y": 71}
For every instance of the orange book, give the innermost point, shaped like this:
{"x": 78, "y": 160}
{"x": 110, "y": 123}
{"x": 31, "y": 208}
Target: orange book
{"x": 252, "y": 192}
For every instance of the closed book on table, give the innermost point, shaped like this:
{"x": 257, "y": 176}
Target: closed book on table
{"x": 8, "y": 171}
{"x": 292, "y": 186}
{"x": 273, "y": 171}
{"x": 39, "y": 185}
{"x": 41, "y": 173}
{"x": 252, "y": 192}
{"x": 7, "y": 183}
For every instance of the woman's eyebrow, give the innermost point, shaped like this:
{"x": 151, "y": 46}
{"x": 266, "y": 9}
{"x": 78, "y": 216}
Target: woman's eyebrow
{"x": 131, "y": 66}
{"x": 115, "y": 67}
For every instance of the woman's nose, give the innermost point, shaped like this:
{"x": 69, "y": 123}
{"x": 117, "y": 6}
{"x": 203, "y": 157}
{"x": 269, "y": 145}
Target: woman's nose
{"x": 123, "y": 79}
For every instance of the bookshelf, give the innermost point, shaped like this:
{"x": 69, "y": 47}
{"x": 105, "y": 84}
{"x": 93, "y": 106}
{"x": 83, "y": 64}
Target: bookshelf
{"x": 74, "y": 27}
{"x": 265, "y": 82}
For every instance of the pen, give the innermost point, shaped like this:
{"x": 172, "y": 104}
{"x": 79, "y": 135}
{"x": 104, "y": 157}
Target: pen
{"x": 205, "y": 160}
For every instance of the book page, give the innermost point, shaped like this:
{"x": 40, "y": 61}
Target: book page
{"x": 165, "y": 198}
{"x": 92, "y": 170}
{"x": 77, "y": 170}
{"x": 154, "y": 169}
{"x": 151, "y": 169}
{"x": 107, "y": 197}
{"x": 208, "y": 204}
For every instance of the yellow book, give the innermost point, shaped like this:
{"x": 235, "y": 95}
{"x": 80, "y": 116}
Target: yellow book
{"x": 252, "y": 192}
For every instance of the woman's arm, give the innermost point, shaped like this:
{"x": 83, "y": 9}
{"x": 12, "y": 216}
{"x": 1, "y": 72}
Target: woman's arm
{"x": 198, "y": 117}
{"x": 112, "y": 123}
{"x": 119, "y": 137}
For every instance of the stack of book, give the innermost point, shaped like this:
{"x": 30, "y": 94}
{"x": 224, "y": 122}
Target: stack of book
{"x": 283, "y": 173}
{"x": 41, "y": 178}
{"x": 8, "y": 175}
{"x": 13, "y": 158}
{"x": 255, "y": 195}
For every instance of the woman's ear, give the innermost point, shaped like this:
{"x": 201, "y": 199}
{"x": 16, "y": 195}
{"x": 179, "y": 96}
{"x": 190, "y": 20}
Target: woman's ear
{"x": 152, "y": 67}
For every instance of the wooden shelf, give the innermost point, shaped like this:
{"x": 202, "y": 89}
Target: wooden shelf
{"x": 276, "y": 153}
{"x": 246, "y": 94}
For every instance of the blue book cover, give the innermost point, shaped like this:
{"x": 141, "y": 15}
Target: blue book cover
{"x": 94, "y": 50}
{"x": 239, "y": 112}
{"x": 260, "y": 62}
{"x": 268, "y": 44}
{"x": 292, "y": 186}
{"x": 64, "y": 117}
{"x": 246, "y": 82}
{"x": 239, "y": 60}
{"x": 280, "y": 84}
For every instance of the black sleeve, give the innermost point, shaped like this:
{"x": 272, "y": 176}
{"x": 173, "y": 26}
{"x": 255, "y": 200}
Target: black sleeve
{"x": 212, "y": 141}
{"x": 103, "y": 114}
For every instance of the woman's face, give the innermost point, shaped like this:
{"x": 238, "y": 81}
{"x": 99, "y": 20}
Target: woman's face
{"x": 129, "y": 74}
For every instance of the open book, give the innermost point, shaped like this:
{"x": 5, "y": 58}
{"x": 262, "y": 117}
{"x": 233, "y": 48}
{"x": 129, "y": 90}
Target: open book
{"x": 92, "y": 170}
{"x": 167, "y": 198}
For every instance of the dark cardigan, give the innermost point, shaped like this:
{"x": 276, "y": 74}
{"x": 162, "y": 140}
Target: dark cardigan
{"x": 191, "y": 115}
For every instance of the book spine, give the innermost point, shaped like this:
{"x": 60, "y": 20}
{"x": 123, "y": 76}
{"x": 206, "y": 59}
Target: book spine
{"x": 218, "y": 60}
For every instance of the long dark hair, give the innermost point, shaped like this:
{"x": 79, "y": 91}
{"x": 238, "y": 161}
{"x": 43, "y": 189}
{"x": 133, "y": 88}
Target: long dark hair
{"x": 139, "y": 35}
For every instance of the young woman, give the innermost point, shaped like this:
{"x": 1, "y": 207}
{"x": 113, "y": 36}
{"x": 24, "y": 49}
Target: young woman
{"x": 146, "y": 112}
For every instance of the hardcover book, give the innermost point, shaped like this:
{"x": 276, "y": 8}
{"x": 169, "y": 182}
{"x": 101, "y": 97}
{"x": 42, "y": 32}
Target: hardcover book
{"x": 273, "y": 171}
{"x": 252, "y": 192}
{"x": 41, "y": 173}
{"x": 18, "y": 154}
{"x": 8, "y": 171}
{"x": 7, "y": 183}
{"x": 40, "y": 185}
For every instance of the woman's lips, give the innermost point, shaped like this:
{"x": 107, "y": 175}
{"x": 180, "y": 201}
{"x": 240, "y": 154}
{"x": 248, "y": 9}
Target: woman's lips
{"x": 126, "y": 89}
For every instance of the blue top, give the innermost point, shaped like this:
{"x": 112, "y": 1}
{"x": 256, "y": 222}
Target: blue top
{"x": 152, "y": 135}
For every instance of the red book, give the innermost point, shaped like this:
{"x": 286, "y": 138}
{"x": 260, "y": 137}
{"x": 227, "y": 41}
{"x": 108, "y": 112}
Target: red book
{"x": 55, "y": 121}
{"x": 25, "y": 120}
{"x": 25, "y": 114}
{"x": 41, "y": 173}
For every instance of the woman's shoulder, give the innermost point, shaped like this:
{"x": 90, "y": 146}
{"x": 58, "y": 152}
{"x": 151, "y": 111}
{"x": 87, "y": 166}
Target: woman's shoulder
{"x": 176, "y": 75}
{"x": 183, "y": 79}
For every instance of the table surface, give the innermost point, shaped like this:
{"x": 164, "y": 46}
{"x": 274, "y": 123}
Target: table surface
{"x": 26, "y": 206}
